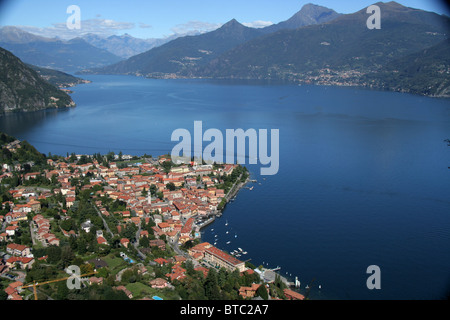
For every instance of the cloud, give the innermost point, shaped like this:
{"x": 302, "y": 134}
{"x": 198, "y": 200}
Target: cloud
{"x": 100, "y": 27}
{"x": 257, "y": 24}
{"x": 144, "y": 25}
{"x": 195, "y": 26}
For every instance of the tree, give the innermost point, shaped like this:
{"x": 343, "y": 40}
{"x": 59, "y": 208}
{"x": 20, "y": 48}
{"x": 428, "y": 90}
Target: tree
{"x": 54, "y": 254}
{"x": 222, "y": 277}
{"x": 67, "y": 225}
{"x": 262, "y": 292}
{"x": 144, "y": 242}
{"x": 62, "y": 290}
{"x": 67, "y": 256}
{"x": 211, "y": 286}
{"x": 171, "y": 186}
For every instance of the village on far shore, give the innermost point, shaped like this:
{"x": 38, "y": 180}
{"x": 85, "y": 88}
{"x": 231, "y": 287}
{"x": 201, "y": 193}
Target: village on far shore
{"x": 131, "y": 224}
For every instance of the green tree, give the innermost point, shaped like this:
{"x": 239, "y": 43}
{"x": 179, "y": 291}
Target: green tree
{"x": 144, "y": 242}
{"x": 62, "y": 291}
{"x": 212, "y": 291}
{"x": 262, "y": 292}
{"x": 67, "y": 256}
{"x": 170, "y": 186}
{"x": 54, "y": 254}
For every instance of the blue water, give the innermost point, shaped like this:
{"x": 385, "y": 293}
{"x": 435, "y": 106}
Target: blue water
{"x": 363, "y": 176}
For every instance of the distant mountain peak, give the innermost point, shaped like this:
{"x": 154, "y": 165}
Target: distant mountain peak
{"x": 16, "y": 35}
{"x": 233, "y": 23}
{"x": 312, "y": 14}
{"x": 309, "y": 14}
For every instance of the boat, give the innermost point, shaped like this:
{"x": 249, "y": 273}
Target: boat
{"x": 226, "y": 223}
{"x": 244, "y": 252}
{"x": 251, "y": 188}
{"x": 240, "y": 249}
{"x": 228, "y": 242}
{"x": 235, "y": 235}
{"x": 226, "y": 232}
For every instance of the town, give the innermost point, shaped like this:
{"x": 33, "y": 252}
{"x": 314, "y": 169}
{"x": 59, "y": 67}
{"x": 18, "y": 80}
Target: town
{"x": 131, "y": 224}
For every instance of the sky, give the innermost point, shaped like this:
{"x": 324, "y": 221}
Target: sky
{"x": 159, "y": 19}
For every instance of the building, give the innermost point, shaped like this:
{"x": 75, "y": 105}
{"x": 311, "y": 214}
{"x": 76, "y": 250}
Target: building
{"x": 249, "y": 292}
{"x": 124, "y": 242}
{"x": 292, "y": 295}
{"x": 124, "y": 289}
{"x": 218, "y": 258}
{"x": 18, "y": 250}
{"x": 95, "y": 280}
{"x": 159, "y": 283}
{"x": 22, "y": 262}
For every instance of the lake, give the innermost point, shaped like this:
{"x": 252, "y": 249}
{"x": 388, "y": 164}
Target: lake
{"x": 363, "y": 177}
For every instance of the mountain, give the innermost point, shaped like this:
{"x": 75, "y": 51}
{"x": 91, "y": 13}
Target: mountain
{"x": 340, "y": 51}
{"x": 309, "y": 14}
{"x": 10, "y": 34}
{"x": 58, "y": 78}
{"x": 68, "y": 56}
{"x": 183, "y": 54}
{"x": 22, "y": 89}
{"x": 425, "y": 72}
{"x": 13, "y": 150}
{"x": 126, "y": 46}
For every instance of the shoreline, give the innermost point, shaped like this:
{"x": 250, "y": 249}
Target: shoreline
{"x": 264, "y": 273}
{"x": 231, "y": 194}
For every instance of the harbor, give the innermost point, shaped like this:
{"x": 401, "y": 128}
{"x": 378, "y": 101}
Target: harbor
{"x": 224, "y": 236}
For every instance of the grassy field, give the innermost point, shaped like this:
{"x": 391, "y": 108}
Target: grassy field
{"x": 141, "y": 290}
{"x": 115, "y": 264}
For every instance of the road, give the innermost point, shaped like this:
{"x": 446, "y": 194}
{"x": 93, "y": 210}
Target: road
{"x": 101, "y": 216}
{"x": 136, "y": 243}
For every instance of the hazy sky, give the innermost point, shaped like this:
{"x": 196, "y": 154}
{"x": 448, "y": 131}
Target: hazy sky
{"x": 156, "y": 19}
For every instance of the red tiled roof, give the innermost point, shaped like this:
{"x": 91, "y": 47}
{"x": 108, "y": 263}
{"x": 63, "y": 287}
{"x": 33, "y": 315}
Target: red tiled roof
{"x": 223, "y": 256}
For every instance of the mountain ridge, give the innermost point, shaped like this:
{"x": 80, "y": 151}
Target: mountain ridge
{"x": 338, "y": 52}
{"x": 68, "y": 56}
{"x": 183, "y": 53}
{"x": 309, "y": 14}
{"x": 22, "y": 89}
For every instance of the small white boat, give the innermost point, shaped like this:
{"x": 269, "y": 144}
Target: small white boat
{"x": 228, "y": 242}
{"x": 226, "y": 232}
